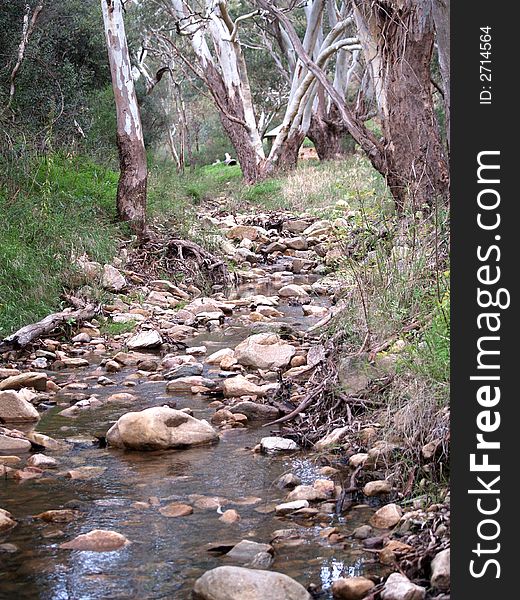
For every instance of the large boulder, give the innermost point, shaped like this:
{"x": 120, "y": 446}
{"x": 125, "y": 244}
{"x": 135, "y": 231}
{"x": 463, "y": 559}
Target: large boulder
{"x": 15, "y": 409}
{"x": 239, "y": 583}
{"x": 38, "y": 381}
{"x": 351, "y": 588}
{"x": 159, "y": 428}
{"x": 264, "y": 351}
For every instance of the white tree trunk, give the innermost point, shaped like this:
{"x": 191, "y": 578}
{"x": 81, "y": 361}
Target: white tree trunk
{"x": 131, "y": 190}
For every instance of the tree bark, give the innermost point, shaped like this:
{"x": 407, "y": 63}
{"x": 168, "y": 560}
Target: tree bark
{"x": 397, "y": 38}
{"x": 329, "y": 135}
{"x": 131, "y": 189}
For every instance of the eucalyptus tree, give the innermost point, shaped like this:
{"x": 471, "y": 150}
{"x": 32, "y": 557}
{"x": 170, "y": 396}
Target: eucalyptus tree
{"x": 131, "y": 189}
{"x": 217, "y": 56}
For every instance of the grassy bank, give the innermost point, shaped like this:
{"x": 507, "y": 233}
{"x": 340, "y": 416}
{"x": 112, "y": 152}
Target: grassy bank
{"x": 53, "y": 210}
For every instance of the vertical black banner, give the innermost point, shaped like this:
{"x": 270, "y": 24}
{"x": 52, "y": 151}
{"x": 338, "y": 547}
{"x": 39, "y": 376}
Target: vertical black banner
{"x": 485, "y": 322}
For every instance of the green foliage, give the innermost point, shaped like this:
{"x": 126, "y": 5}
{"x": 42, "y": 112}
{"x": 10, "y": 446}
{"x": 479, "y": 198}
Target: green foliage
{"x": 110, "y": 329}
{"x": 54, "y": 209}
{"x": 429, "y": 355}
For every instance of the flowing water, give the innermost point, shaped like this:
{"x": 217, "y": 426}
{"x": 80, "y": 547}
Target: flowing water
{"x": 166, "y": 554}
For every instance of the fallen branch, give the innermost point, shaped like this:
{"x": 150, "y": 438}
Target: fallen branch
{"x": 30, "y": 333}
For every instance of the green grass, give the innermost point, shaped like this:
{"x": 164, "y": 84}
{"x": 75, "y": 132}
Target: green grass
{"x": 110, "y": 329}
{"x": 53, "y": 210}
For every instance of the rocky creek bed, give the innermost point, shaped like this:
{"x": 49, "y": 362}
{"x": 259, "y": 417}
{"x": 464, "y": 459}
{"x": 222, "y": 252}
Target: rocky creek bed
{"x": 144, "y": 465}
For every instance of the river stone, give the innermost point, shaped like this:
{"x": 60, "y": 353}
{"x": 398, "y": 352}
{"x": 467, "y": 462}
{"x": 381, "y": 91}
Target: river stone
{"x": 159, "y": 428}
{"x": 440, "y": 578}
{"x": 289, "y": 507}
{"x": 185, "y": 370}
{"x": 240, "y": 386}
{"x": 176, "y": 509}
{"x": 386, "y": 517}
{"x": 351, "y": 588}
{"x": 304, "y": 492}
{"x": 97, "y": 540}
{"x": 144, "y": 339}
{"x": 277, "y": 444}
{"x": 247, "y": 549}
{"x": 216, "y": 357}
{"x": 255, "y": 411}
{"x": 239, "y": 583}
{"x": 184, "y": 384}
{"x": 399, "y": 587}
{"x": 38, "y": 381}
{"x": 65, "y": 515}
{"x": 112, "y": 280}
{"x": 264, "y": 351}
{"x": 15, "y": 409}
{"x": 293, "y": 291}
{"x": 45, "y": 441}
{"x": 42, "y": 462}
{"x": 6, "y": 520}
{"x": 13, "y": 444}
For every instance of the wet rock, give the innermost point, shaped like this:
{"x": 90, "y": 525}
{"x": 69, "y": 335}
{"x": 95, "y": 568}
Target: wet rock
{"x": 38, "y": 381}
{"x": 440, "y": 578}
{"x": 159, "y": 428}
{"x": 293, "y": 291}
{"x": 310, "y": 310}
{"x": 264, "y": 351}
{"x": 255, "y": 411}
{"x": 237, "y": 386}
{"x": 230, "y": 516}
{"x": 8, "y": 548}
{"x": 112, "y": 280}
{"x": 399, "y": 587}
{"x": 185, "y": 370}
{"x": 121, "y": 397}
{"x": 176, "y": 509}
{"x": 65, "y": 515}
{"x": 11, "y": 443}
{"x": 247, "y": 549}
{"x": 6, "y": 520}
{"x": 386, "y": 517}
{"x": 42, "y": 461}
{"x": 351, "y": 588}
{"x": 334, "y": 438}
{"x": 4, "y": 373}
{"x": 185, "y": 384}
{"x": 362, "y": 532}
{"x": 239, "y": 583}
{"x": 40, "y": 440}
{"x": 85, "y": 473}
{"x": 15, "y": 409}
{"x": 112, "y": 366}
{"x": 278, "y": 444}
{"x": 377, "y": 488}
{"x": 289, "y": 480}
{"x": 196, "y": 350}
{"x": 73, "y": 362}
{"x": 144, "y": 339}
{"x": 263, "y": 560}
{"x": 289, "y": 507}
{"x": 304, "y": 492}
{"x": 97, "y": 540}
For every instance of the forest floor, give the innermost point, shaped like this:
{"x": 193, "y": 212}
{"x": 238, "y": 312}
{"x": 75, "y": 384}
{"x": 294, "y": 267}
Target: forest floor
{"x": 321, "y": 311}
